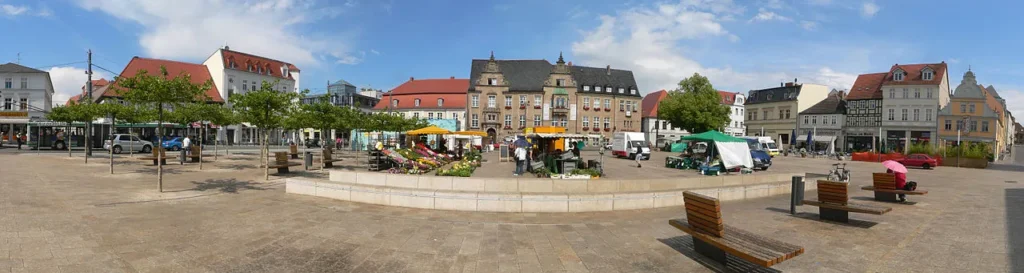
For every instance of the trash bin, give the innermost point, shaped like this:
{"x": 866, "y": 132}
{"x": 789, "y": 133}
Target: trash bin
{"x": 797, "y": 194}
{"x": 308, "y": 160}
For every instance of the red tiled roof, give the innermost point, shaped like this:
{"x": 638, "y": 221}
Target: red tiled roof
{"x": 727, "y": 97}
{"x": 427, "y": 101}
{"x": 74, "y": 99}
{"x": 242, "y": 60}
{"x": 198, "y": 72}
{"x": 913, "y": 74}
{"x": 867, "y": 86}
{"x": 650, "y": 103}
{"x": 432, "y": 86}
{"x": 96, "y": 84}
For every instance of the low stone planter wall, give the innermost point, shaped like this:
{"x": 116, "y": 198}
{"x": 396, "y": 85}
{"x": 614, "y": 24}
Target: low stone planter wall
{"x": 532, "y": 195}
{"x": 977, "y": 163}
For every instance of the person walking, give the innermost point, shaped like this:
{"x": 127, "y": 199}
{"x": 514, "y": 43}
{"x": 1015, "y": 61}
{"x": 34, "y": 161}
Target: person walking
{"x": 520, "y": 155}
{"x": 19, "y": 138}
{"x": 186, "y": 144}
{"x": 638, "y": 154}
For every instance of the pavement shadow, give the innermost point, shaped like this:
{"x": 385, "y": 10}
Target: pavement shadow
{"x": 684, "y": 245}
{"x": 150, "y": 169}
{"x": 1006, "y": 167}
{"x": 1015, "y": 228}
{"x": 872, "y": 199}
{"x": 238, "y": 167}
{"x": 816, "y": 217}
{"x": 224, "y": 185}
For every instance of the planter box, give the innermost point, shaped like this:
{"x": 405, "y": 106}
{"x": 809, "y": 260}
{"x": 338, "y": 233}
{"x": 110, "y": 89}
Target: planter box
{"x": 977, "y": 163}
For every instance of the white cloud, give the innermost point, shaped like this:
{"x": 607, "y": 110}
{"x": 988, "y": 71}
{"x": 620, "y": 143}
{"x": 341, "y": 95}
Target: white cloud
{"x": 809, "y": 25}
{"x": 765, "y": 15}
{"x": 953, "y": 61}
{"x": 68, "y": 81}
{"x": 179, "y": 30}
{"x": 13, "y": 10}
{"x": 374, "y": 51}
{"x": 350, "y": 59}
{"x": 820, "y": 2}
{"x": 647, "y": 41}
{"x": 869, "y": 9}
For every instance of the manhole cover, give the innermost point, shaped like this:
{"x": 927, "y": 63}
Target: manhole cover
{"x": 1012, "y": 182}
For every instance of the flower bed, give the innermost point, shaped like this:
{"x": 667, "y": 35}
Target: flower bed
{"x": 464, "y": 167}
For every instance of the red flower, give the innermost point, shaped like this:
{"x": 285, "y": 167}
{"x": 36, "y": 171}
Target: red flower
{"x": 586, "y": 107}
{"x": 598, "y": 108}
{"x": 521, "y": 106}
{"x": 607, "y": 109}
{"x": 607, "y": 129}
{"x": 586, "y": 128}
{"x": 508, "y": 107}
{"x": 536, "y": 107}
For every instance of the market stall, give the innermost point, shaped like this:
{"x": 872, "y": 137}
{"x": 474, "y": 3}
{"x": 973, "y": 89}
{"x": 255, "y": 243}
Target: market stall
{"x": 731, "y": 152}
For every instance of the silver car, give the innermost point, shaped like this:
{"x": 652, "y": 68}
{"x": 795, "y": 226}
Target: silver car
{"x": 123, "y": 141}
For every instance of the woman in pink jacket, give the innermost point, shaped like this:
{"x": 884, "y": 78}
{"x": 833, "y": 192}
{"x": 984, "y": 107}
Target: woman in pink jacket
{"x": 901, "y": 183}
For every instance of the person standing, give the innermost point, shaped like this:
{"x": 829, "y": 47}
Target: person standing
{"x": 639, "y": 154}
{"x": 520, "y": 155}
{"x": 186, "y": 144}
{"x": 19, "y": 138}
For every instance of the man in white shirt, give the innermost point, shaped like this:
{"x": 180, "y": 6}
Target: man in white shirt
{"x": 520, "y": 155}
{"x": 186, "y": 144}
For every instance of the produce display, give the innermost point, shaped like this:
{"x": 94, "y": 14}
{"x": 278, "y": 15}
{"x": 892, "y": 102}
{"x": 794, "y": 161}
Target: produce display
{"x": 464, "y": 167}
{"x": 416, "y": 160}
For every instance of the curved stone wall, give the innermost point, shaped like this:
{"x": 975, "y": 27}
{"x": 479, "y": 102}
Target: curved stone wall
{"x": 533, "y": 194}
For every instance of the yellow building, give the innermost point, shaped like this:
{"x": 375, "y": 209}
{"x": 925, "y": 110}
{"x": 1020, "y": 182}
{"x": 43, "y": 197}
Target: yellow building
{"x": 975, "y": 113}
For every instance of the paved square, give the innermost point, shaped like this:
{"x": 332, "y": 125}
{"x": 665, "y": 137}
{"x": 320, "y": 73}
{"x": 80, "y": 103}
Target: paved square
{"x": 60, "y": 215}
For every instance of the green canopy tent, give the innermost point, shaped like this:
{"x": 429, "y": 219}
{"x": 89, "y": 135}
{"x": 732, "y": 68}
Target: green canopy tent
{"x": 733, "y": 151}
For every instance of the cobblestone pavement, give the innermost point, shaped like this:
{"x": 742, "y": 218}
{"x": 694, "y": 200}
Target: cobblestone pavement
{"x": 60, "y": 215}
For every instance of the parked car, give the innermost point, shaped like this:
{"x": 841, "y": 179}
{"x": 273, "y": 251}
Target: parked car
{"x": 173, "y": 144}
{"x": 762, "y": 160}
{"x": 312, "y": 143}
{"x": 919, "y": 160}
{"x": 124, "y": 141}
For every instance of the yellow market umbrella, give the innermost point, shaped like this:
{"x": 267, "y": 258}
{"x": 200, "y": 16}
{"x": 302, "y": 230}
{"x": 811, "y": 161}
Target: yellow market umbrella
{"x": 432, "y": 130}
{"x": 470, "y": 133}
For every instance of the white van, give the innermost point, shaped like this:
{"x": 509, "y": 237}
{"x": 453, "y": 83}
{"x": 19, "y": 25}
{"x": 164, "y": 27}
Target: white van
{"x": 767, "y": 144}
{"x": 623, "y": 143}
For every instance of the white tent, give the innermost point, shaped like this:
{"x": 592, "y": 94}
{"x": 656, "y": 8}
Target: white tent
{"x": 734, "y": 154}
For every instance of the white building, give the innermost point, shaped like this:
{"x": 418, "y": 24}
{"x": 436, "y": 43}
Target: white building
{"x": 735, "y": 103}
{"x": 824, "y": 122}
{"x": 235, "y": 72}
{"x": 428, "y": 99}
{"x": 912, "y": 96}
{"x": 26, "y": 95}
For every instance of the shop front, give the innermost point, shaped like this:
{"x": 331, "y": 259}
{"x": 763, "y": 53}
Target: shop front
{"x": 895, "y": 141}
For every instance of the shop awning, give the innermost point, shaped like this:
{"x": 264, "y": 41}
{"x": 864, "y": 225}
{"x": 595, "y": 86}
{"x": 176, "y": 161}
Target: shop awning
{"x": 553, "y": 135}
{"x": 430, "y": 130}
{"x": 469, "y": 133}
{"x": 819, "y": 139}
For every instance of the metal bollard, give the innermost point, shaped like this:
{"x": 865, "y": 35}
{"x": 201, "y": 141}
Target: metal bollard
{"x": 796, "y": 196}
{"x": 308, "y": 160}
{"x": 181, "y": 159}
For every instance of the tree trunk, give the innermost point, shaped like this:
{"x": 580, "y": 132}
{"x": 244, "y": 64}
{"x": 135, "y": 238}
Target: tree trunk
{"x": 88, "y": 146}
{"x": 266, "y": 162}
{"x": 111, "y": 150}
{"x": 67, "y": 139}
{"x": 131, "y": 145}
{"x": 201, "y": 137}
{"x": 159, "y": 153}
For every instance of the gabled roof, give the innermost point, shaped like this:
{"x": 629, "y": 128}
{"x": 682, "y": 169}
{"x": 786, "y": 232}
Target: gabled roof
{"x": 521, "y": 75}
{"x": 775, "y": 94}
{"x": 606, "y": 77}
{"x": 992, "y": 90}
{"x": 198, "y": 72}
{"x": 17, "y": 68}
{"x": 913, "y": 74}
{"x": 728, "y": 98}
{"x": 432, "y": 86}
{"x": 649, "y": 104}
{"x": 342, "y": 82}
{"x": 833, "y": 104}
{"x": 867, "y": 86}
{"x": 74, "y": 99}
{"x": 427, "y": 101}
{"x": 243, "y": 59}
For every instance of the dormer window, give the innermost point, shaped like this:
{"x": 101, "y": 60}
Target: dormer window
{"x": 608, "y": 89}
{"x": 259, "y": 70}
{"x": 927, "y": 74}
{"x": 898, "y": 75}
{"x": 248, "y": 67}
{"x": 394, "y": 103}
{"x": 769, "y": 96}
{"x": 440, "y": 102}
{"x": 416, "y": 103}
{"x": 586, "y": 88}
{"x": 621, "y": 90}
{"x": 597, "y": 88}
{"x": 492, "y": 81}
{"x": 559, "y": 82}
{"x": 632, "y": 91}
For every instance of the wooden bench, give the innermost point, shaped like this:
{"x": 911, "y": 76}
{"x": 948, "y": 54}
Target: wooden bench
{"x": 293, "y": 150}
{"x": 281, "y": 162}
{"x": 194, "y": 154}
{"x": 328, "y": 159}
{"x": 884, "y": 186}
{"x": 714, "y": 239}
{"x": 162, "y": 157}
{"x": 833, "y": 203}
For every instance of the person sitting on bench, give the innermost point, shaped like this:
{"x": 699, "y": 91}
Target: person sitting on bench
{"x": 901, "y": 183}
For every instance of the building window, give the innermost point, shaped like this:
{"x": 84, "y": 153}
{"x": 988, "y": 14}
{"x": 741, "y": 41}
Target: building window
{"x": 586, "y": 88}
{"x": 475, "y": 101}
{"x": 597, "y": 103}
{"x": 607, "y": 122}
{"x": 963, "y": 107}
{"x": 622, "y": 105}
{"x": 906, "y": 93}
{"x": 814, "y": 120}
{"x": 622, "y": 90}
{"x": 781, "y": 113}
{"x": 455, "y": 116}
{"x": 892, "y": 114}
{"x": 245, "y": 85}
{"x": 492, "y": 81}
{"x": 974, "y": 126}
{"x": 24, "y": 83}
{"x": 755, "y": 115}
{"x": 664, "y": 124}
{"x": 492, "y": 117}
{"x": 8, "y": 104}
{"x": 253, "y": 87}
{"x": 416, "y": 102}
{"x": 475, "y": 122}
{"x": 632, "y": 91}
{"x": 536, "y": 120}
{"x": 917, "y": 112}
{"x": 586, "y": 122}
{"x": 984, "y": 126}
{"x": 394, "y": 103}
{"x": 787, "y": 113}
{"x": 833, "y": 120}
{"x": 430, "y": 115}
{"x": 904, "y": 114}
{"x": 806, "y": 118}
{"x": 23, "y": 104}
{"x": 765, "y": 114}
{"x": 917, "y": 93}
{"x": 897, "y": 76}
{"x": 508, "y": 101}
{"x": 929, "y": 93}
{"x": 970, "y": 108}
{"x": 440, "y": 115}
{"x": 522, "y": 121}
{"x": 892, "y": 93}
{"x": 949, "y": 125}
{"x": 536, "y": 100}
{"x": 959, "y": 125}
{"x": 559, "y": 82}
{"x": 491, "y": 101}
{"x": 586, "y": 101}
{"x": 927, "y": 114}
{"x": 440, "y": 102}
{"x": 522, "y": 100}
{"x": 231, "y": 91}
{"x": 597, "y": 88}
{"x": 928, "y": 75}
{"x": 416, "y": 115}
{"x": 607, "y": 104}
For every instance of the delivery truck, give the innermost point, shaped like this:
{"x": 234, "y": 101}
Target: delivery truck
{"x": 624, "y": 143}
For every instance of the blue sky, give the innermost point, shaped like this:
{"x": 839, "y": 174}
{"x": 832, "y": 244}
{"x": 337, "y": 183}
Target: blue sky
{"x": 740, "y": 45}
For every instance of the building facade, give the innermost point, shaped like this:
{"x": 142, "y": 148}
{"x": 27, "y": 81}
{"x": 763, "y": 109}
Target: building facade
{"x": 428, "y": 99}
{"x": 236, "y": 72}
{"x": 734, "y": 101}
{"x": 912, "y": 96}
{"x": 824, "y": 123}
{"x": 772, "y": 112}
{"x": 659, "y": 132}
{"x": 507, "y": 96}
{"x": 863, "y": 121}
{"x": 973, "y": 114}
{"x": 26, "y": 95}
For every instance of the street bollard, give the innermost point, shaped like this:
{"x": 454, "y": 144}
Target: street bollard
{"x": 796, "y": 197}
{"x": 308, "y": 160}
{"x": 181, "y": 159}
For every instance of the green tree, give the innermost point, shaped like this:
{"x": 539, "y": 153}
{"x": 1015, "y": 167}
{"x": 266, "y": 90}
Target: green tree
{"x": 133, "y": 115}
{"x": 222, "y": 118}
{"x": 265, "y": 109}
{"x": 113, "y": 111}
{"x": 67, "y": 114}
{"x": 161, "y": 91}
{"x": 695, "y": 106}
{"x": 196, "y": 112}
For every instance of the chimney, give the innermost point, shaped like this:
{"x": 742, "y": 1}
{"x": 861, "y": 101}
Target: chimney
{"x": 789, "y": 84}
{"x": 781, "y": 84}
{"x": 570, "y": 63}
{"x": 609, "y": 70}
{"x": 452, "y": 78}
{"x": 226, "y": 47}
{"x": 795, "y": 81}
{"x": 411, "y": 78}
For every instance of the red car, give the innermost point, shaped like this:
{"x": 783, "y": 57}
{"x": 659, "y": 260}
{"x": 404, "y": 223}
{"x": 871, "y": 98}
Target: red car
{"x": 919, "y": 160}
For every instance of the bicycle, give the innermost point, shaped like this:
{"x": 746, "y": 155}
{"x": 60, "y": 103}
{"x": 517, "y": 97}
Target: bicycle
{"x": 839, "y": 174}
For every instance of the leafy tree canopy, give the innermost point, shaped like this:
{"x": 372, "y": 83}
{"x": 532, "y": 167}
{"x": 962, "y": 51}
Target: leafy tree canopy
{"x": 695, "y": 106}
{"x": 264, "y": 108}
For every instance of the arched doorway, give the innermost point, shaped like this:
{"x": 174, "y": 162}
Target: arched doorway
{"x": 491, "y": 136}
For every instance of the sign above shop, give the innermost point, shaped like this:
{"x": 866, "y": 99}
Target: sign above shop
{"x": 13, "y": 114}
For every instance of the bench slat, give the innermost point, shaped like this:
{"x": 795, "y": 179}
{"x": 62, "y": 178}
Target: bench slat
{"x": 915, "y": 192}
{"x": 710, "y": 218}
{"x": 706, "y": 226}
{"x": 703, "y": 209}
{"x": 755, "y": 249}
{"x": 700, "y": 198}
{"x": 851, "y": 207}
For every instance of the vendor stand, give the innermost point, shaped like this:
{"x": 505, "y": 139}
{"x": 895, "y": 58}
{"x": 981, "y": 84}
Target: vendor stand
{"x": 553, "y": 150}
{"x": 465, "y": 140}
{"x": 732, "y": 152}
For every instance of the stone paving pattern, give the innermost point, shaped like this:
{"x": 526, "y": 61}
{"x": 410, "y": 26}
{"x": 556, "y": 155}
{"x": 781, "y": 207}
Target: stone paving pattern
{"x": 60, "y": 215}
